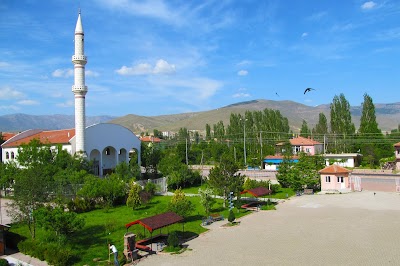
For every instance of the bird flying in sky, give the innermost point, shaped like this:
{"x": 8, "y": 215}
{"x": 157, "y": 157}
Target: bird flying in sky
{"x": 308, "y": 89}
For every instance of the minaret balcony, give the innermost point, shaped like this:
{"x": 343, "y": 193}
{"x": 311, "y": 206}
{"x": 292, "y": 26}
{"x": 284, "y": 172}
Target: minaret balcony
{"x": 79, "y": 59}
{"x": 79, "y": 88}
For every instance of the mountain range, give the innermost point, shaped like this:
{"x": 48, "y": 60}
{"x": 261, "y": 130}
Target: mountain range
{"x": 387, "y": 115}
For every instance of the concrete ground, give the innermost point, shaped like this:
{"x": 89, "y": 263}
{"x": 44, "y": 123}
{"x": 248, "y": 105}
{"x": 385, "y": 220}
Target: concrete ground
{"x": 358, "y": 228}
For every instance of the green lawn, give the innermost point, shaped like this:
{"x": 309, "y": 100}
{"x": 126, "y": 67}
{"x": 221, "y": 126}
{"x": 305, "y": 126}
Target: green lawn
{"x": 194, "y": 190}
{"x": 103, "y": 226}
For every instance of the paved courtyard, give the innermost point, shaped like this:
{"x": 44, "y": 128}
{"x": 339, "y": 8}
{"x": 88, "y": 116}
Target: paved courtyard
{"x": 345, "y": 229}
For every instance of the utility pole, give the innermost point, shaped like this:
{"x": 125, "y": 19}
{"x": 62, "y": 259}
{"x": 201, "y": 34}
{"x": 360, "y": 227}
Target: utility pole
{"x": 261, "y": 151}
{"x": 187, "y": 160}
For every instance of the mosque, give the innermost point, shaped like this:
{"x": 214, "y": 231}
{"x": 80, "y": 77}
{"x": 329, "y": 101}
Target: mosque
{"x": 105, "y": 144}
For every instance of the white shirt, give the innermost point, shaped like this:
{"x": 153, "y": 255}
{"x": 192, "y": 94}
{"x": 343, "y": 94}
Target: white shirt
{"x": 113, "y": 249}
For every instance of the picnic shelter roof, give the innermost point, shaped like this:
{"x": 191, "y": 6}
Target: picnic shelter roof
{"x": 157, "y": 221}
{"x": 258, "y": 191}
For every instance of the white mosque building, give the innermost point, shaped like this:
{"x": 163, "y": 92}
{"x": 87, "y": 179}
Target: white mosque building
{"x": 106, "y": 144}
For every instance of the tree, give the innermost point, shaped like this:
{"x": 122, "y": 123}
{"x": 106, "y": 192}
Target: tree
{"x": 231, "y": 216}
{"x": 341, "y": 125}
{"x": 31, "y": 190}
{"x": 180, "y": 204}
{"x": 124, "y": 171}
{"x": 321, "y": 128}
{"x": 305, "y": 131}
{"x": 113, "y": 187}
{"x": 302, "y": 174}
{"x": 208, "y": 132}
{"x": 206, "y": 199}
{"x": 134, "y": 200}
{"x": 32, "y": 182}
{"x": 372, "y": 142}
{"x": 224, "y": 178}
{"x": 56, "y": 219}
{"x": 368, "y": 124}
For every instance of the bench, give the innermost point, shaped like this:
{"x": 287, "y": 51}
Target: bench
{"x": 308, "y": 191}
{"x": 216, "y": 217}
{"x": 207, "y": 221}
{"x": 142, "y": 247}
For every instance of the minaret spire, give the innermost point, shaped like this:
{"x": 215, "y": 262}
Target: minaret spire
{"x": 79, "y": 88}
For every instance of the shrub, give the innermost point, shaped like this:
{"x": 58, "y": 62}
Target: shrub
{"x": 275, "y": 188}
{"x": 231, "y": 216}
{"x": 4, "y": 262}
{"x": 58, "y": 256}
{"x": 80, "y": 205}
{"x": 151, "y": 188}
{"x": 173, "y": 239}
{"x": 52, "y": 253}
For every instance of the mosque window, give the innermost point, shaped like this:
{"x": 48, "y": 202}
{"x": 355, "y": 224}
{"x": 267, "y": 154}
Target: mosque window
{"x": 7, "y": 155}
{"x": 12, "y": 155}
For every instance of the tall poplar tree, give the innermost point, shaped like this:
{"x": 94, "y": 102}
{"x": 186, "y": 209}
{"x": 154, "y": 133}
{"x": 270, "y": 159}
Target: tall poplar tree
{"x": 321, "y": 128}
{"x": 372, "y": 145}
{"x": 341, "y": 125}
{"x": 305, "y": 131}
{"x": 368, "y": 124}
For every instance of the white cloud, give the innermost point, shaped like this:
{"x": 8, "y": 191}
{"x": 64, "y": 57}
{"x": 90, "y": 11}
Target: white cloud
{"x": 69, "y": 103}
{"x": 9, "y": 108}
{"x": 161, "y": 67}
{"x": 28, "y": 102}
{"x": 63, "y": 73}
{"x": 244, "y": 63}
{"x": 368, "y": 5}
{"x": 7, "y": 93}
{"x": 184, "y": 89}
{"x": 147, "y": 8}
{"x": 243, "y": 72}
{"x": 317, "y": 16}
{"x": 305, "y": 34}
{"x": 4, "y": 64}
{"x": 90, "y": 73}
{"x": 241, "y": 95}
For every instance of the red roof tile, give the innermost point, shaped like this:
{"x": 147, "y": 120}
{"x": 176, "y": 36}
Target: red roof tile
{"x": 397, "y": 144}
{"x": 294, "y": 157}
{"x": 334, "y": 169}
{"x": 157, "y": 221}
{"x": 46, "y": 137}
{"x": 258, "y": 191}
{"x": 7, "y": 136}
{"x": 150, "y": 139}
{"x": 301, "y": 141}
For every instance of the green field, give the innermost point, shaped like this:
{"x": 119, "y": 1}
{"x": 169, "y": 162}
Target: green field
{"x": 104, "y": 226}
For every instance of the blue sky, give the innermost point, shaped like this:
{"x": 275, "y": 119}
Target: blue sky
{"x": 154, "y": 57}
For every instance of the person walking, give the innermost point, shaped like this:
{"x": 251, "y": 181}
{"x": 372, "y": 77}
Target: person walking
{"x": 115, "y": 252}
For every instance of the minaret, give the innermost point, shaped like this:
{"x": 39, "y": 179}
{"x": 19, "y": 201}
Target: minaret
{"x": 79, "y": 88}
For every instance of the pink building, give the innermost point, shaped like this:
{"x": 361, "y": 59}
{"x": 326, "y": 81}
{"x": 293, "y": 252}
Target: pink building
{"x": 301, "y": 144}
{"x": 335, "y": 178}
{"x": 397, "y": 153}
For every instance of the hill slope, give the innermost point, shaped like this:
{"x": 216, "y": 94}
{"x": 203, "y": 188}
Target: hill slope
{"x": 388, "y": 117}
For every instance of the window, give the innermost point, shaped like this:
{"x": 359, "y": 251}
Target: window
{"x": 327, "y": 179}
{"x": 7, "y": 155}
{"x": 340, "y": 179}
{"x": 12, "y": 155}
{"x": 107, "y": 151}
